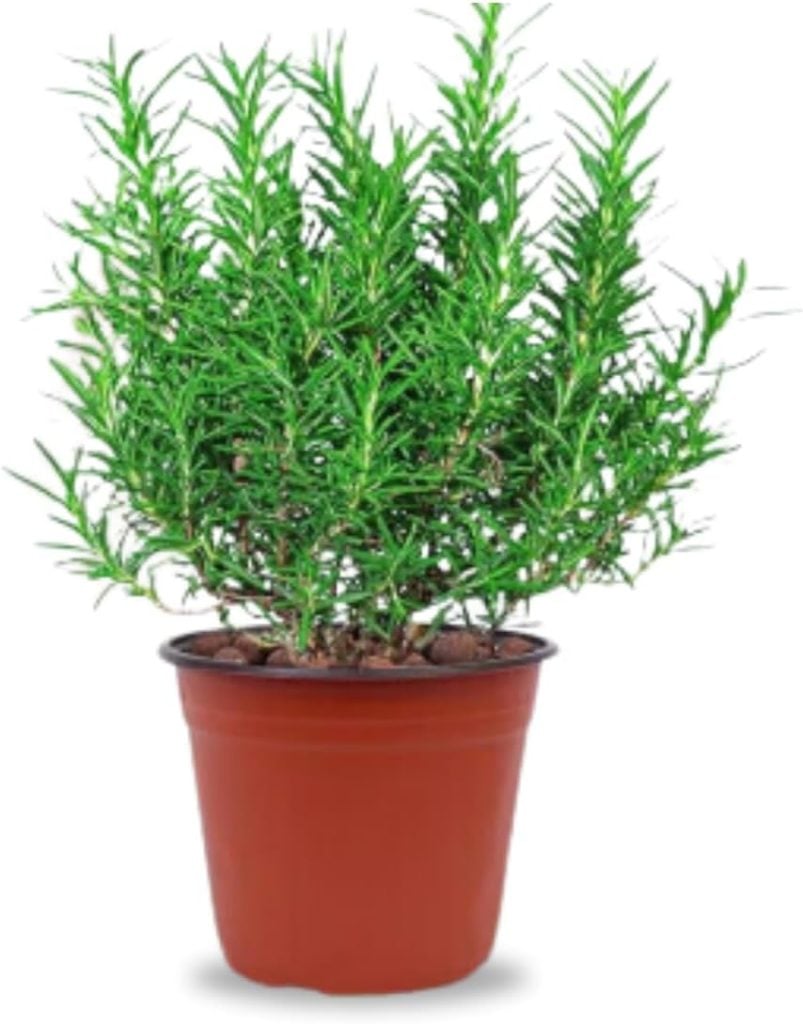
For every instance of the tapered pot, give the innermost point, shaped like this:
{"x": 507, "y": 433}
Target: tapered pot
{"x": 356, "y": 822}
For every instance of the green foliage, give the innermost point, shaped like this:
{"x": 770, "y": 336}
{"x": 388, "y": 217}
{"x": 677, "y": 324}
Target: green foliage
{"x": 372, "y": 389}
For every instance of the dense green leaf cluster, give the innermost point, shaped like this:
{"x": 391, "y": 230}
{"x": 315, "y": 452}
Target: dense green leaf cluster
{"x": 330, "y": 386}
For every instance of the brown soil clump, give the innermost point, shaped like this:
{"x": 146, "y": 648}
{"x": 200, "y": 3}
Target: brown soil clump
{"x": 230, "y": 654}
{"x": 456, "y": 647}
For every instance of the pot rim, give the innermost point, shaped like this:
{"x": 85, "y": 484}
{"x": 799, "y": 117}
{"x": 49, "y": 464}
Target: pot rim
{"x": 174, "y": 651}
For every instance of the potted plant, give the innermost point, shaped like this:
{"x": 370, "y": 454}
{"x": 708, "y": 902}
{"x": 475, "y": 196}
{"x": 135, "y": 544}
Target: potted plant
{"x": 359, "y": 401}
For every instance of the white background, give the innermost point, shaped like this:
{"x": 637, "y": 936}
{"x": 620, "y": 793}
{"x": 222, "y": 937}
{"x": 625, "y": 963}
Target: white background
{"x": 655, "y": 873}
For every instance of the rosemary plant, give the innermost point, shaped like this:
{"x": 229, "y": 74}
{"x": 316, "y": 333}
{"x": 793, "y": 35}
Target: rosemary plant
{"x": 333, "y": 388}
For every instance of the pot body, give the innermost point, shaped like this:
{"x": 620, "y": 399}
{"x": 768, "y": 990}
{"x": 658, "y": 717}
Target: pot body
{"x": 357, "y": 830}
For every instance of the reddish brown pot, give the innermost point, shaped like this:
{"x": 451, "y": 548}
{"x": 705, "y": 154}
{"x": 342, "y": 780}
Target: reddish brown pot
{"x": 357, "y": 822}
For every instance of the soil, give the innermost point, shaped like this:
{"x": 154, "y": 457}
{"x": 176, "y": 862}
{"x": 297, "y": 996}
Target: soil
{"x": 349, "y": 648}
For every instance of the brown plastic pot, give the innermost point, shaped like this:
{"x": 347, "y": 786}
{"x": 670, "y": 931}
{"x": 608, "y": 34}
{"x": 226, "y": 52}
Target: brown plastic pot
{"x": 356, "y": 821}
